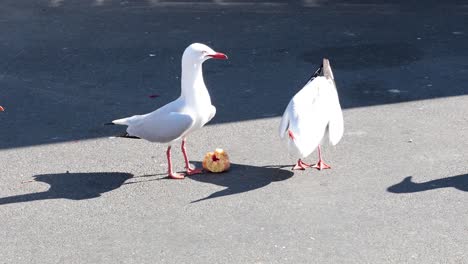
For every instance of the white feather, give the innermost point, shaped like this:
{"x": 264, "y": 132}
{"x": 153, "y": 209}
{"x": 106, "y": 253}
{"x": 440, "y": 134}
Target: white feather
{"x": 336, "y": 126}
{"x": 191, "y": 111}
{"x": 310, "y": 112}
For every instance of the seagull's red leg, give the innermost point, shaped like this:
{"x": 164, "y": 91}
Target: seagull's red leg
{"x": 172, "y": 175}
{"x": 300, "y": 165}
{"x": 321, "y": 164}
{"x": 189, "y": 169}
{"x": 307, "y": 165}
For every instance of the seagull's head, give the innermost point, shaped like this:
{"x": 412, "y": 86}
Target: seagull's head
{"x": 197, "y": 53}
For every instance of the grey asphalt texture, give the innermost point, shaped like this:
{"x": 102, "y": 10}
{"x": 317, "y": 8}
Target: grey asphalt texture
{"x": 397, "y": 191}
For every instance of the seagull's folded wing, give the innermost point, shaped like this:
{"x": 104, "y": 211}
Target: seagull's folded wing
{"x": 335, "y": 126}
{"x": 162, "y": 127}
{"x": 307, "y": 117}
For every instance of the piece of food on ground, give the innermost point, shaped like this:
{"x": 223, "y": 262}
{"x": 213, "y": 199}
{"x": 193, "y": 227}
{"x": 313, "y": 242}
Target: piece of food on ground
{"x": 217, "y": 161}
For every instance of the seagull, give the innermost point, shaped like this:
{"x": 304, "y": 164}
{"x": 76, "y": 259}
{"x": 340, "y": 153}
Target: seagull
{"x": 311, "y": 114}
{"x": 177, "y": 119}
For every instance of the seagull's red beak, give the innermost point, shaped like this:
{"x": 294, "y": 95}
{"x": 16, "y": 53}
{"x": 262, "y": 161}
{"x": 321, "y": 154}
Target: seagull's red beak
{"x": 2, "y": 109}
{"x": 218, "y": 55}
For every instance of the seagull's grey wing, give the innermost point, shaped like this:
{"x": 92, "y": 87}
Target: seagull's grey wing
{"x": 335, "y": 125}
{"x": 310, "y": 120}
{"x": 306, "y": 117}
{"x": 162, "y": 127}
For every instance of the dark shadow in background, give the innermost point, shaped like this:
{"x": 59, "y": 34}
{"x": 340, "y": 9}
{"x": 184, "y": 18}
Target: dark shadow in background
{"x": 365, "y": 56}
{"x": 73, "y": 186}
{"x": 242, "y": 178}
{"x": 100, "y": 60}
{"x": 459, "y": 182}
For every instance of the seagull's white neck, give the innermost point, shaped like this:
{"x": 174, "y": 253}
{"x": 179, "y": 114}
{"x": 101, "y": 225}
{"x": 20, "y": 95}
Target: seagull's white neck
{"x": 193, "y": 86}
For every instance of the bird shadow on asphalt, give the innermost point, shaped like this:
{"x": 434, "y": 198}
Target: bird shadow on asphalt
{"x": 73, "y": 186}
{"x": 459, "y": 182}
{"x": 242, "y": 178}
{"x": 238, "y": 179}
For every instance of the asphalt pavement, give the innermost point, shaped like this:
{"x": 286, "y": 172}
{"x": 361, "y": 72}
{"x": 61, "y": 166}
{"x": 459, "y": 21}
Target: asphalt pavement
{"x": 70, "y": 193}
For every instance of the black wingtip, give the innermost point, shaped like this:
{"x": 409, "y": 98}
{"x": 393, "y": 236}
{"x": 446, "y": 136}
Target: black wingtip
{"x": 126, "y": 135}
{"x": 315, "y": 74}
{"x": 109, "y": 124}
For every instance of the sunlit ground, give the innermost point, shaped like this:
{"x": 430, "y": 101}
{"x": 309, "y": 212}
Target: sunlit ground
{"x": 70, "y": 193}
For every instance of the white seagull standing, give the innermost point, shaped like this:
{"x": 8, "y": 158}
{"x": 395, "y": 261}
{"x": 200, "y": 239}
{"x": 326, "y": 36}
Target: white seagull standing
{"x": 175, "y": 120}
{"x": 311, "y": 113}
